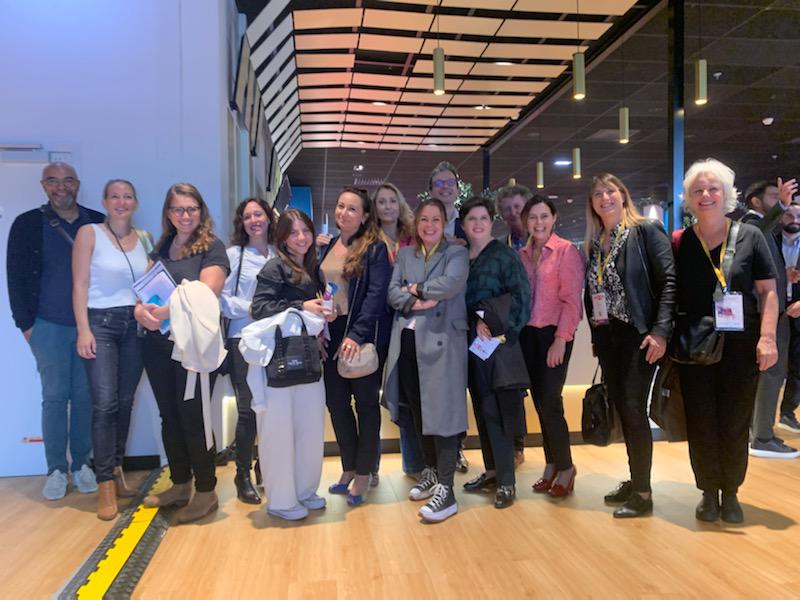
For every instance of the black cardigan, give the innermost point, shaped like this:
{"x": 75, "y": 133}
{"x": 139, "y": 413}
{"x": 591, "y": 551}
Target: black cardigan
{"x": 646, "y": 267}
{"x": 276, "y": 291}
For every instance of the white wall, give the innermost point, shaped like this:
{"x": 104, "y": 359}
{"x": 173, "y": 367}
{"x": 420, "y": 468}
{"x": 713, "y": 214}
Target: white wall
{"x": 137, "y": 90}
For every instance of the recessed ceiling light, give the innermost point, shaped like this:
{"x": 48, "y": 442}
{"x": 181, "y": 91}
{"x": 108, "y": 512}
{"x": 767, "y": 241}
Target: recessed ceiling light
{"x": 361, "y": 142}
{"x": 562, "y": 163}
{"x": 570, "y": 201}
{"x": 379, "y": 103}
{"x": 358, "y": 167}
{"x": 503, "y": 63}
{"x": 716, "y": 75}
{"x": 482, "y": 107}
{"x": 432, "y": 145}
{"x": 768, "y": 121}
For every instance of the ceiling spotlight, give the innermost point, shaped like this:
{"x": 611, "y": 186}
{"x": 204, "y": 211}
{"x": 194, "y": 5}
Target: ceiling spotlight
{"x": 358, "y": 167}
{"x": 768, "y": 121}
{"x": 503, "y": 63}
{"x": 716, "y": 75}
{"x": 562, "y": 163}
{"x": 379, "y": 103}
{"x": 570, "y": 200}
{"x": 482, "y": 107}
{"x": 361, "y": 142}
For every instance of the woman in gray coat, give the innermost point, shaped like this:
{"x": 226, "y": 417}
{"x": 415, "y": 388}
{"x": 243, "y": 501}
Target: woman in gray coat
{"x": 427, "y": 365}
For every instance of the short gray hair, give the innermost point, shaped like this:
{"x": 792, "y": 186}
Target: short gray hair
{"x": 721, "y": 171}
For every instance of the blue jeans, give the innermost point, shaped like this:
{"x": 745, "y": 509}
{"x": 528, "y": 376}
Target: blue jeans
{"x": 410, "y": 449}
{"x": 113, "y": 377}
{"x": 64, "y": 392}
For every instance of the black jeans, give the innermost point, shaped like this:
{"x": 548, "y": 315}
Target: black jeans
{"x": 497, "y": 441}
{"x": 246, "y": 420}
{"x": 113, "y": 376}
{"x": 627, "y": 377}
{"x": 358, "y": 441}
{"x": 439, "y": 452}
{"x": 546, "y": 387}
{"x": 791, "y": 392}
{"x": 181, "y": 420}
{"x": 719, "y": 401}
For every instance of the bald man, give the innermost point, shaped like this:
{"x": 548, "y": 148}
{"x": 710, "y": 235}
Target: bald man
{"x": 39, "y": 273}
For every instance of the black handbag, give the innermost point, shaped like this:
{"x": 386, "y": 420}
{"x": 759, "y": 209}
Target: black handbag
{"x": 225, "y": 324}
{"x": 600, "y": 423}
{"x": 697, "y": 341}
{"x": 666, "y": 403}
{"x": 295, "y": 360}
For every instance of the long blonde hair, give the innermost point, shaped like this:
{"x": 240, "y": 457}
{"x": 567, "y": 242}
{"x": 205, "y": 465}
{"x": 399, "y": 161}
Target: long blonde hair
{"x": 405, "y": 221}
{"x": 630, "y": 215}
{"x": 202, "y": 237}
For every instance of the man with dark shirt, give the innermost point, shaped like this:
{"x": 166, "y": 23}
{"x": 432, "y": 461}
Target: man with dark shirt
{"x": 766, "y": 203}
{"x": 39, "y": 273}
{"x": 790, "y": 243}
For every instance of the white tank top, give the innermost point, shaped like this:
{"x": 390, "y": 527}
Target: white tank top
{"x": 110, "y": 280}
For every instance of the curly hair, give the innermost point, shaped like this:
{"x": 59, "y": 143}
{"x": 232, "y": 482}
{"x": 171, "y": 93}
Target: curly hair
{"x": 202, "y": 237}
{"x": 405, "y": 222}
{"x": 365, "y": 236}
{"x": 239, "y": 237}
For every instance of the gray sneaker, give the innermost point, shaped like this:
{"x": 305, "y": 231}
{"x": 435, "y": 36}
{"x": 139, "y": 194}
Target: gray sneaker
{"x": 774, "y": 448}
{"x": 790, "y": 423}
{"x": 55, "y": 487}
{"x": 424, "y": 487}
{"x": 441, "y": 506}
{"x": 84, "y": 480}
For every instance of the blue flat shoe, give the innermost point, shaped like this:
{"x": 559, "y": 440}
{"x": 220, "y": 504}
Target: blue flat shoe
{"x": 339, "y": 488}
{"x": 355, "y": 500}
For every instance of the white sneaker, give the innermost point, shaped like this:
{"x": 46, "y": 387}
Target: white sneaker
{"x": 84, "y": 480}
{"x": 295, "y": 513}
{"x": 314, "y": 502}
{"x": 55, "y": 487}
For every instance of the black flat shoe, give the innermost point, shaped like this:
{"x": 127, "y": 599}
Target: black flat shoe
{"x": 462, "y": 464}
{"x": 504, "y": 497}
{"x": 245, "y": 490}
{"x": 731, "y": 509}
{"x": 635, "y": 506}
{"x": 480, "y": 483}
{"x": 619, "y": 494}
{"x": 708, "y": 509}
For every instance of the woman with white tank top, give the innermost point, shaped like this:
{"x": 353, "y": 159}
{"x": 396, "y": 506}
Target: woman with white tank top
{"x": 106, "y": 259}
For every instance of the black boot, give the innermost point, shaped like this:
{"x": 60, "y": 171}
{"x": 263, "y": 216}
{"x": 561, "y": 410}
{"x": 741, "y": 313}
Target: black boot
{"x": 708, "y": 509}
{"x": 245, "y": 490}
{"x": 731, "y": 509}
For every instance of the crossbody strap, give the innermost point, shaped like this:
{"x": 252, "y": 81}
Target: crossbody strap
{"x": 56, "y": 224}
{"x": 727, "y": 259}
{"x": 121, "y": 247}
{"x": 349, "y": 314}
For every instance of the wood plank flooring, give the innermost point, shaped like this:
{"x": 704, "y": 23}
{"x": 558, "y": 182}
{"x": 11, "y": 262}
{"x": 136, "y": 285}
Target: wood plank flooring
{"x": 538, "y": 548}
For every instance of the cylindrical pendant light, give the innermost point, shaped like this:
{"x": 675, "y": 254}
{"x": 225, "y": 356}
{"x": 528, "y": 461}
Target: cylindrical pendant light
{"x": 512, "y": 181}
{"x": 578, "y": 76}
{"x": 539, "y": 174}
{"x": 438, "y": 71}
{"x": 576, "y": 163}
{"x": 624, "y": 125}
{"x": 700, "y": 82}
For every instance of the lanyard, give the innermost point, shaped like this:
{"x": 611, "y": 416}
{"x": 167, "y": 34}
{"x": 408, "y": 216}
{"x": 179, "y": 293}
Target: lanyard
{"x": 428, "y": 254}
{"x": 602, "y": 265}
{"x": 717, "y": 270}
{"x": 393, "y": 247}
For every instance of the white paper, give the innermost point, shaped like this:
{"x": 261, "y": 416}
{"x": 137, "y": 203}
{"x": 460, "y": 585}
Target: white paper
{"x": 483, "y": 349}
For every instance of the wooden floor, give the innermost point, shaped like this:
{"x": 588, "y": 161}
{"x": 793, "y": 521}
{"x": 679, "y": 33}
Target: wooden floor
{"x": 537, "y": 548}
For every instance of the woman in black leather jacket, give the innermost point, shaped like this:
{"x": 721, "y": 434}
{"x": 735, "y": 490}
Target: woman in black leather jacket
{"x": 630, "y": 300}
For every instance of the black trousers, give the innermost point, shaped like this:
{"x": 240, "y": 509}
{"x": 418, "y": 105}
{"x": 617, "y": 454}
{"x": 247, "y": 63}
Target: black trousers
{"x": 628, "y": 376}
{"x": 358, "y": 440}
{"x": 791, "y": 392}
{"x": 439, "y": 452}
{"x": 719, "y": 401}
{"x": 246, "y": 419}
{"x": 546, "y": 387}
{"x": 181, "y": 420}
{"x": 497, "y": 441}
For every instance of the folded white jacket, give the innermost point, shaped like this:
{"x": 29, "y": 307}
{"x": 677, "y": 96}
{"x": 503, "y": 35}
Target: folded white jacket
{"x": 199, "y": 347}
{"x": 258, "y": 344}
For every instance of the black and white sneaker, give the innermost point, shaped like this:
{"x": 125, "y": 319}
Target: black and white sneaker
{"x": 441, "y": 506}
{"x": 424, "y": 486}
{"x": 774, "y": 448}
{"x": 789, "y": 422}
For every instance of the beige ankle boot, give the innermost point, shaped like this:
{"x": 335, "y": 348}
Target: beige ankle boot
{"x": 202, "y": 504}
{"x": 123, "y": 491}
{"x": 106, "y": 500}
{"x": 177, "y": 495}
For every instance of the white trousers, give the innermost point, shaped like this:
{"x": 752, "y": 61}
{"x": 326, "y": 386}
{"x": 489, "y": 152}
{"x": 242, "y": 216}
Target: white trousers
{"x": 291, "y": 430}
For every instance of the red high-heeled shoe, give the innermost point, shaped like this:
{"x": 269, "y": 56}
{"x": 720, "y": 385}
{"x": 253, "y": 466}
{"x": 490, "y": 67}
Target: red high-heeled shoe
{"x": 542, "y": 486}
{"x": 560, "y": 491}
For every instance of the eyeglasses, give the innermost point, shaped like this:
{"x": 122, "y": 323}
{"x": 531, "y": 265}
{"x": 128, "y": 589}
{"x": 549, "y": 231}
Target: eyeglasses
{"x": 444, "y": 182}
{"x": 55, "y": 182}
{"x": 179, "y": 211}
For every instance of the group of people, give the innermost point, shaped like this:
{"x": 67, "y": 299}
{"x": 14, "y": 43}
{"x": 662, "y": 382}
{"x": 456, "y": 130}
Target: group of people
{"x": 413, "y": 296}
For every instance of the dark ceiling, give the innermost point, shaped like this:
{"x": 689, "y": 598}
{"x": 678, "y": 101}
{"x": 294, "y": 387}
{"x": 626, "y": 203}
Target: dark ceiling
{"x": 752, "y": 48}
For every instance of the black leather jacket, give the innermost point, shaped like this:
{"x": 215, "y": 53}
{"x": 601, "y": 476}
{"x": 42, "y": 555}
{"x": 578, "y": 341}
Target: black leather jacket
{"x": 647, "y": 269}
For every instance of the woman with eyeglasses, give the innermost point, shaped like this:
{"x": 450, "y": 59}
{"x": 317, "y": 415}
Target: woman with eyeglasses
{"x": 249, "y": 252}
{"x": 189, "y": 250}
{"x": 356, "y": 264}
{"x": 427, "y": 365}
{"x": 106, "y": 259}
{"x": 396, "y": 222}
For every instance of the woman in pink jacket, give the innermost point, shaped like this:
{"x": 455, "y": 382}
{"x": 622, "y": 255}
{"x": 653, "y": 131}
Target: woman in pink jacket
{"x": 555, "y": 271}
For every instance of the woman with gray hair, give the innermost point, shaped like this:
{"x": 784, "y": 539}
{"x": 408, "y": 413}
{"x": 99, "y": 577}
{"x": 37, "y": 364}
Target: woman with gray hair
{"x": 724, "y": 273}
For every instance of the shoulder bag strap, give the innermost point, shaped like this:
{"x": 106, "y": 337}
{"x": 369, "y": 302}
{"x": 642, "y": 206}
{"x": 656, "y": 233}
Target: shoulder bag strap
{"x": 55, "y": 224}
{"x": 125, "y": 254}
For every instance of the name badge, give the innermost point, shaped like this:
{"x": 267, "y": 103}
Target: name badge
{"x": 599, "y": 309}
{"x": 729, "y": 312}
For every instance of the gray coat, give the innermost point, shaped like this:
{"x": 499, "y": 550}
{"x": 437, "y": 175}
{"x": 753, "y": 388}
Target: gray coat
{"x": 441, "y": 336}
